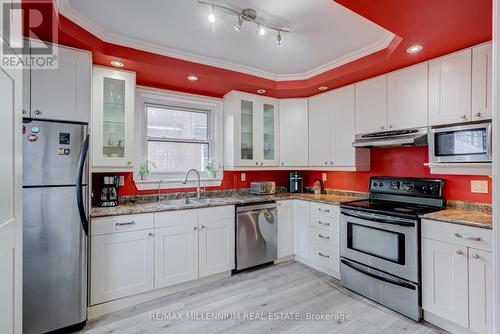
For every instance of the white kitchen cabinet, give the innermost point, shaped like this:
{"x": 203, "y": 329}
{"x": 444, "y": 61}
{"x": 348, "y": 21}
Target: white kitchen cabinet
{"x": 251, "y": 136}
{"x": 176, "y": 253}
{"x": 216, "y": 245}
{"x": 294, "y": 140}
{"x": 320, "y": 109}
{"x": 444, "y": 280}
{"x": 285, "y": 228}
{"x": 371, "y": 105}
{"x": 450, "y": 88}
{"x": 481, "y": 291}
{"x": 407, "y": 97}
{"x": 121, "y": 265}
{"x": 62, "y": 93}
{"x": 481, "y": 82}
{"x": 113, "y": 118}
{"x": 301, "y": 229}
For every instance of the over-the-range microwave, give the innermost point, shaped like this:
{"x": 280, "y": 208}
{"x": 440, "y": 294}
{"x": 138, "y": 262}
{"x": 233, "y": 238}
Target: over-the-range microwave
{"x": 461, "y": 143}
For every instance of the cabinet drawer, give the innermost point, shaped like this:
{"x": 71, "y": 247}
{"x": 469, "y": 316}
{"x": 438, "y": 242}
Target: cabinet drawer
{"x": 172, "y": 218}
{"x": 325, "y": 210}
{"x": 327, "y": 257}
{"x": 326, "y": 238}
{"x": 467, "y": 236}
{"x": 104, "y": 225}
{"x": 326, "y": 223}
{"x": 216, "y": 213}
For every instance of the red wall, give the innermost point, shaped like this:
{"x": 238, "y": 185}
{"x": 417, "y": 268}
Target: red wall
{"x": 407, "y": 162}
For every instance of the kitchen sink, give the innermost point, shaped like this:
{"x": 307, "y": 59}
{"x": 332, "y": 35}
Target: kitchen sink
{"x": 185, "y": 201}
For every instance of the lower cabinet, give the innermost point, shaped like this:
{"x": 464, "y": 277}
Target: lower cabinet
{"x": 285, "y": 228}
{"x": 131, "y": 254}
{"x": 457, "y": 276}
{"x": 301, "y": 227}
{"x": 122, "y": 264}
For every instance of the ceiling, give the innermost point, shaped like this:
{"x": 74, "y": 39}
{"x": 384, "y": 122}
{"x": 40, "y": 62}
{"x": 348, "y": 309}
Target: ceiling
{"x": 441, "y": 26}
{"x": 179, "y": 28}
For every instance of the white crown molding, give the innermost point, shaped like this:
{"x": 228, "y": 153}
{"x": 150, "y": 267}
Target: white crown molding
{"x": 66, "y": 10}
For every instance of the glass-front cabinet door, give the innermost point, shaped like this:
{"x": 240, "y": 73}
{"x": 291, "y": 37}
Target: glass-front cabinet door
{"x": 247, "y": 133}
{"x": 113, "y": 117}
{"x": 269, "y": 134}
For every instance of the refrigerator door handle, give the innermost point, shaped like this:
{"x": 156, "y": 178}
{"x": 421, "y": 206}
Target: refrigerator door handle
{"x": 79, "y": 176}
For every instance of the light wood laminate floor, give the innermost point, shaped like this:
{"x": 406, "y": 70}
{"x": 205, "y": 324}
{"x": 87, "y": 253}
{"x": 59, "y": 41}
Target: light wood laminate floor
{"x": 289, "y": 287}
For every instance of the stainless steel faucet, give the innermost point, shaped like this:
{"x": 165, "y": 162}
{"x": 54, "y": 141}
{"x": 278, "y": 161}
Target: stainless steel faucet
{"x": 198, "y": 189}
{"x": 159, "y": 188}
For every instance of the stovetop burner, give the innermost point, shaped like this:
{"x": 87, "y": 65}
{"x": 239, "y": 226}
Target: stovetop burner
{"x": 388, "y": 207}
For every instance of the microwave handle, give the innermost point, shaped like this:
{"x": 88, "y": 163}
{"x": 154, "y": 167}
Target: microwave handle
{"x": 380, "y": 278}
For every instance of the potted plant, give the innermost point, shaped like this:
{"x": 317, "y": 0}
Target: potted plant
{"x": 144, "y": 170}
{"x": 211, "y": 167}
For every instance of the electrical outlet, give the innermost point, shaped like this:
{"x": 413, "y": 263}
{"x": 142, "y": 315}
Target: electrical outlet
{"x": 243, "y": 177}
{"x": 479, "y": 186}
{"x": 323, "y": 177}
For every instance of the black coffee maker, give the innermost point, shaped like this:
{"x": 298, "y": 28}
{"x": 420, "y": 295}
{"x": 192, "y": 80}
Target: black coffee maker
{"x": 109, "y": 191}
{"x": 295, "y": 182}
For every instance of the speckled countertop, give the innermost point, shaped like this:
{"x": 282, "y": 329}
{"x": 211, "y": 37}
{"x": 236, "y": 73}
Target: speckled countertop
{"x": 464, "y": 217}
{"x": 145, "y": 207}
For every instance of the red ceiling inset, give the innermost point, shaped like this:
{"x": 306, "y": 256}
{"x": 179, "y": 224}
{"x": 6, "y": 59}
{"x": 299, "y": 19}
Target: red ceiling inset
{"x": 440, "y": 26}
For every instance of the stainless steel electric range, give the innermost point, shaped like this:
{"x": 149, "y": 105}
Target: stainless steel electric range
{"x": 380, "y": 241}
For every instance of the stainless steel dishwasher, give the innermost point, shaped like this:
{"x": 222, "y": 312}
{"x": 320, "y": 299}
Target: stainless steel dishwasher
{"x": 256, "y": 234}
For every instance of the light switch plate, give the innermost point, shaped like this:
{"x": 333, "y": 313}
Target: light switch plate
{"x": 477, "y": 186}
{"x": 243, "y": 177}
{"x": 323, "y": 177}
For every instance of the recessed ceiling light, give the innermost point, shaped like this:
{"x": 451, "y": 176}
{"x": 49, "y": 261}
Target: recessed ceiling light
{"x": 117, "y": 63}
{"x": 414, "y": 48}
{"x": 192, "y": 78}
{"x": 261, "y": 91}
{"x": 322, "y": 88}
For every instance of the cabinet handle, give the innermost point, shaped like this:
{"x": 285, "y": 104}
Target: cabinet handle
{"x": 464, "y": 117}
{"x": 458, "y": 235}
{"x": 478, "y": 114}
{"x": 129, "y": 162}
{"x": 390, "y": 126}
{"x": 331, "y": 162}
{"x": 324, "y": 237}
{"x": 151, "y": 234}
{"x": 202, "y": 226}
{"x": 382, "y": 127}
{"x": 326, "y": 162}
{"x": 125, "y": 224}
{"x": 261, "y": 164}
{"x": 321, "y": 223}
{"x": 256, "y": 163}
{"x": 37, "y": 112}
{"x": 24, "y": 112}
{"x": 459, "y": 252}
{"x": 323, "y": 210}
{"x": 195, "y": 228}
{"x": 282, "y": 164}
{"x": 323, "y": 255}
{"x": 475, "y": 256}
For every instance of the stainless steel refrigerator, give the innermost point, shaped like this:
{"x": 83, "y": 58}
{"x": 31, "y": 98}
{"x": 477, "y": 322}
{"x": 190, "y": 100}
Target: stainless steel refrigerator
{"x": 55, "y": 202}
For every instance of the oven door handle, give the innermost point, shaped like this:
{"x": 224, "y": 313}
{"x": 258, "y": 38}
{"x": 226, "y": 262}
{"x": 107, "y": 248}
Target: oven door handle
{"x": 380, "y": 278}
{"x": 380, "y": 220}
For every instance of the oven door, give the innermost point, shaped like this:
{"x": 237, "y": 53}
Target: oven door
{"x": 386, "y": 243}
{"x": 465, "y": 143}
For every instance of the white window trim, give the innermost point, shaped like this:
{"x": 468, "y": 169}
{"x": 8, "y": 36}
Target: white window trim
{"x": 147, "y": 95}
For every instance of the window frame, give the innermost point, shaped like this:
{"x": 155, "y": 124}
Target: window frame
{"x": 208, "y": 141}
{"x": 182, "y": 101}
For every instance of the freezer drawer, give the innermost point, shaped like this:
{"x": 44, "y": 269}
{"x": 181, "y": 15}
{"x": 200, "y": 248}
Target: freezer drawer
{"x": 54, "y": 260}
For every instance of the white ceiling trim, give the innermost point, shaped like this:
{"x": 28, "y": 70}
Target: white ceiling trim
{"x": 65, "y": 9}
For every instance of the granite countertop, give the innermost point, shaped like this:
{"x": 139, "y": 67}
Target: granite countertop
{"x": 148, "y": 207}
{"x": 464, "y": 217}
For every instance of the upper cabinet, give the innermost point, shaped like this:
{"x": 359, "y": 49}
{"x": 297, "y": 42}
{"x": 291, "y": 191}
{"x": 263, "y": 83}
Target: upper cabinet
{"x": 371, "y": 105}
{"x": 62, "y": 93}
{"x": 332, "y": 130}
{"x": 407, "y": 97}
{"x": 251, "y": 137}
{"x": 113, "y": 118}
{"x": 293, "y": 132}
{"x": 481, "y": 82}
{"x": 450, "y": 88}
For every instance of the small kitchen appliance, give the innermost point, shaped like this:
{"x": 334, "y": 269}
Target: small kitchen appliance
{"x": 263, "y": 188}
{"x": 295, "y": 182}
{"x": 380, "y": 241}
{"x": 109, "y": 191}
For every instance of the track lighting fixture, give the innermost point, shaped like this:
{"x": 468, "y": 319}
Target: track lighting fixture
{"x": 238, "y": 25}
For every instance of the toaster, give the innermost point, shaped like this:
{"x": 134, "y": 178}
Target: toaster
{"x": 263, "y": 188}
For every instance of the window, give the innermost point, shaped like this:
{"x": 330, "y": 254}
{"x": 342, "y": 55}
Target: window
{"x": 177, "y": 139}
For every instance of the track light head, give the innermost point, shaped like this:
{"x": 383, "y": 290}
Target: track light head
{"x": 279, "y": 39}
{"x": 237, "y": 26}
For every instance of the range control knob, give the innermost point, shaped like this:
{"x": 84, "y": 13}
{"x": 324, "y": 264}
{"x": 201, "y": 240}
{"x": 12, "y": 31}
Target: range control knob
{"x": 394, "y": 185}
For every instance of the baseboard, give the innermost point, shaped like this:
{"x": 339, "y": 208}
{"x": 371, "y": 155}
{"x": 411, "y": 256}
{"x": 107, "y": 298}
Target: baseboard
{"x": 98, "y": 310}
{"x": 319, "y": 267}
{"x": 446, "y": 324}
{"x": 284, "y": 259}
